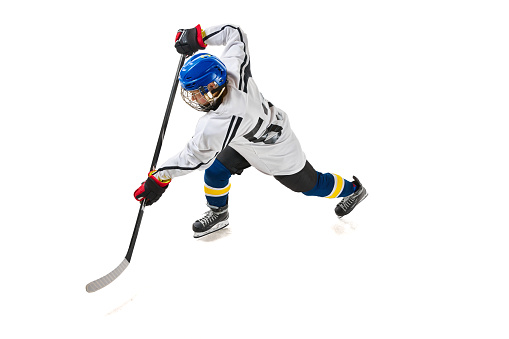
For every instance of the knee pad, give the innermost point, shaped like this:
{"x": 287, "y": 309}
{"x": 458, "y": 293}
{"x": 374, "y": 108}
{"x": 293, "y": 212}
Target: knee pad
{"x": 302, "y": 181}
{"x": 216, "y": 175}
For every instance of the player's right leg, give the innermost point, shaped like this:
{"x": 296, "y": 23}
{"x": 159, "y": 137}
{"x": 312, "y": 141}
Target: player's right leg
{"x": 217, "y": 188}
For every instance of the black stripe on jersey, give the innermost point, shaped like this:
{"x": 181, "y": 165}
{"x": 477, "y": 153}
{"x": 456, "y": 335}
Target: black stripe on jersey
{"x": 237, "y": 124}
{"x": 229, "y": 137}
{"x": 216, "y": 32}
{"x": 265, "y": 110}
{"x": 245, "y": 67}
{"x": 228, "y": 133}
{"x": 247, "y": 75}
{"x": 186, "y": 168}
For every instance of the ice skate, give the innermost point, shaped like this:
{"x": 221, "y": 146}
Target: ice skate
{"x": 214, "y": 219}
{"x": 347, "y": 204}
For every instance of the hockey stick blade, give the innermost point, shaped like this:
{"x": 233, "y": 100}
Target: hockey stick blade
{"x": 108, "y": 278}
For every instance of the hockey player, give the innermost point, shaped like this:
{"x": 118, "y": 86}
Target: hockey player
{"x": 240, "y": 128}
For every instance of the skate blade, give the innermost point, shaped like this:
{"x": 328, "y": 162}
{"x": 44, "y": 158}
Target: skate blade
{"x": 216, "y": 228}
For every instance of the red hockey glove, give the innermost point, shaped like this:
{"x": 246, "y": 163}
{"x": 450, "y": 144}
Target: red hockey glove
{"x": 189, "y": 41}
{"x": 151, "y": 189}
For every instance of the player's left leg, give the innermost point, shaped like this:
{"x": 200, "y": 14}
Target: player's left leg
{"x": 329, "y": 185}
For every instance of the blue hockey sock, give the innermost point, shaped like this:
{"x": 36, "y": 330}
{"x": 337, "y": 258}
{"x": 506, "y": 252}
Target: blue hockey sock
{"x": 217, "y": 184}
{"x": 330, "y": 185}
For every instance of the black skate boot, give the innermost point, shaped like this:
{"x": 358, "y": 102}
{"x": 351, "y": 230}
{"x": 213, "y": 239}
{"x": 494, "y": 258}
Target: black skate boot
{"x": 213, "y": 220}
{"x": 347, "y": 204}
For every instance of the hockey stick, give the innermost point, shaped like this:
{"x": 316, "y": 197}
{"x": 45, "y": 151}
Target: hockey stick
{"x": 107, "y": 279}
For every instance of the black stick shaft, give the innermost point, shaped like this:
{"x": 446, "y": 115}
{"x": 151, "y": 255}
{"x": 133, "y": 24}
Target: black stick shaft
{"x": 167, "y": 114}
{"x": 156, "y": 155}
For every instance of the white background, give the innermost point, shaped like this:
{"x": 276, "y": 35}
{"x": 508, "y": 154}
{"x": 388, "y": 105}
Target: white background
{"x": 410, "y": 96}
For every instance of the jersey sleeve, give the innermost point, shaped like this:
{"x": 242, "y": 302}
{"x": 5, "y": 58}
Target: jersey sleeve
{"x": 235, "y": 55}
{"x": 212, "y": 134}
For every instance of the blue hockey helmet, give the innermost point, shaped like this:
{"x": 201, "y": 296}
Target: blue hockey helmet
{"x": 200, "y": 70}
{"x": 196, "y": 74}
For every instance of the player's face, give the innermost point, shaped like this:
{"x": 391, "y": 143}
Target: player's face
{"x": 199, "y": 98}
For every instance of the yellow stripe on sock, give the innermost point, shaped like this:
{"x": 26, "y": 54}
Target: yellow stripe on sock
{"x": 217, "y": 192}
{"x": 338, "y": 187}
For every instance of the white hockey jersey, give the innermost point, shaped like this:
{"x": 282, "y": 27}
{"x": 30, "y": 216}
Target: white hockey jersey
{"x": 244, "y": 120}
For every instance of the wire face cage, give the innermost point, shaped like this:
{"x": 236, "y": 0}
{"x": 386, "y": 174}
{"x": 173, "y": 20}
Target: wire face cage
{"x": 201, "y": 99}
{"x": 197, "y": 100}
